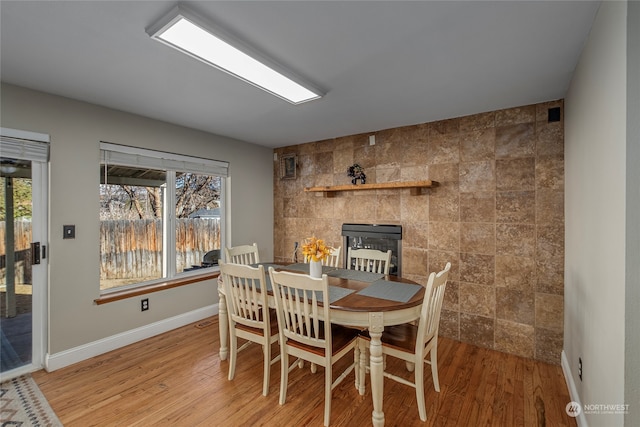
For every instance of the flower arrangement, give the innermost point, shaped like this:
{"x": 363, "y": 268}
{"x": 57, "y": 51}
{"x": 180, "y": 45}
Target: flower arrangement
{"x": 315, "y": 249}
{"x": 357, "y": 173}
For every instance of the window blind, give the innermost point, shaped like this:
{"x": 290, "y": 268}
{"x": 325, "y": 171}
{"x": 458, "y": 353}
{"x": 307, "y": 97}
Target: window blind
{"x": 23, "y": 145}
{"x": 116, "y": 154}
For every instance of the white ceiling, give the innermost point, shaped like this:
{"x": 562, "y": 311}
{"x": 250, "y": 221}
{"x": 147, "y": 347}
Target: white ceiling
{"x": 383, "y": 64}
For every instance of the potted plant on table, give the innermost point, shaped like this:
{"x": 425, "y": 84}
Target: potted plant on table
{"x": 315, "y": 250}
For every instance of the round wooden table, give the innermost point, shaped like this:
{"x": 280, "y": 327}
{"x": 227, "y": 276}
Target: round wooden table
{"x": 354, "y": 310}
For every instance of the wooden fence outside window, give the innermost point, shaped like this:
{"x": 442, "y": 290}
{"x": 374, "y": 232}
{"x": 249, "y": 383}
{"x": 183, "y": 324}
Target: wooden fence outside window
{"x": 128, "y": 249}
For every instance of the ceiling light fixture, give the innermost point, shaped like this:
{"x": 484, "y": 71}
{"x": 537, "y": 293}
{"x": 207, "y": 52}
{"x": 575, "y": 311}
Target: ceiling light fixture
{"x": 187, "y": 33}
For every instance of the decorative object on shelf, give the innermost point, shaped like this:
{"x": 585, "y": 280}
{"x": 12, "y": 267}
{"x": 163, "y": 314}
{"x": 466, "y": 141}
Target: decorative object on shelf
{"x": 357, "y": 173}
{"x": 315, "y": 251}
{"x": 288, "y": 164}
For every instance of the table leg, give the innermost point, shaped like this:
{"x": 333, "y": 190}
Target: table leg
{"x": 376, "y": 367}
{"x": 223, "y": 325}
{"x": 363, "y": 367}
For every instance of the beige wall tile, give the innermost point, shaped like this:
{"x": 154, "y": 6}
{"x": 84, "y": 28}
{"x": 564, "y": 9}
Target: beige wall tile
{"x": 415, "y": 234}
{"x": 444, "y": 207}
{"x": 477, "y": 268}
{"x": 511, "y": 116}
{"x": 478, "y": 237}
{"x": 439, "y": 259}
{"x": 514, "y": 338}
{"x": 416, "y": 261}
{"x": 477, "y": 330}
{"x": 451, "y": 296}
{"x": 497, "y": 215}
{"x": 414, "y": 208}
{"x": 550, "y": 139}
{"x": 477, "y": 299}
{"x": 516, "y": 174}
{"x": 477, "y": 145}
{"x": 550, "y": 172}
{"x": 550, "y": 312}
{"x": 548, "y": 345}
{"x": 549, "y": 206}
{"x": 387, "y": 209}
{"x": 516, "y": 306}
{"x": 515, "y": 272}
{"x": 444, "y": 149}
{"x": 449, "y": 324}
{"x": 516, "y": 206}
{"x": 516, "y": 239}
{"x": 477, "y": 176}
{"x": 516, "y": 141}
{"x": 415, "y": 152}
{"x": 478, "y": 121}
{"x": 414, "y": 173}
{"x": 478, "y": 207}
{"x": 444, "y": 236}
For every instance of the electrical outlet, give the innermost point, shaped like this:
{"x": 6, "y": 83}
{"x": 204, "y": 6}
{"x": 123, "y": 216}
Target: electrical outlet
{"x": 580, "y": 368}
{"x": 144, "y": 304}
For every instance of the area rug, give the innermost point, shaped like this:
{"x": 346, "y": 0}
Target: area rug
{"x": 22, "y": 404}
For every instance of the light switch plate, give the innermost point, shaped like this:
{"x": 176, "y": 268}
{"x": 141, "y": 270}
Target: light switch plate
{"x": 68, "y": 231}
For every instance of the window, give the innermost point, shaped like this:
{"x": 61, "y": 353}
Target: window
{"x": 160, "y": 215}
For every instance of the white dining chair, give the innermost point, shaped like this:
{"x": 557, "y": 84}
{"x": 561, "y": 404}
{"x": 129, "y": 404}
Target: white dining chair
{"x": 413, "y": 343}
{"x": 249, "y": 315}
{"x": 306, "y": 332}
{"x": 333, "y": 260}
{"x": 243, "y": 254}
{"x": 371, "y": 260}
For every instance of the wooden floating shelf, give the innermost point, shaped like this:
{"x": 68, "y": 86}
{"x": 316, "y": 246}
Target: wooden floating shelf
{"x": 414, "y": 186}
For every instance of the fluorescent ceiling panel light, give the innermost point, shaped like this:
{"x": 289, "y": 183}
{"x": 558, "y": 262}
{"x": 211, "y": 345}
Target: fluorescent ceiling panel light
{"x": 185, "y": 32}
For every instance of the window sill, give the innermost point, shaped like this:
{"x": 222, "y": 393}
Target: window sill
{"x": 156, "y": 287}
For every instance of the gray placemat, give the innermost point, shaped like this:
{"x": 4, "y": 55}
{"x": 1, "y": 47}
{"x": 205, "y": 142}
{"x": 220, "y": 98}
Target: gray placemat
{"x": 335, "y": 292}
{"x": 394, "y": 291}
{"x": 304, "y": 268}
{"x": 362, "y": 276}
{"x": 266, "y": 266}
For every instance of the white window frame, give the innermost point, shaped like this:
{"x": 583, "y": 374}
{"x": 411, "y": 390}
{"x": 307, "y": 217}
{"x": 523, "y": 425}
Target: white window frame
{"x": 124, "y": 155}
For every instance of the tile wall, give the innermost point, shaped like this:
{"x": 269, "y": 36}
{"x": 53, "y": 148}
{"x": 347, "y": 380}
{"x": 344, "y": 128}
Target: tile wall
{"x": 497, "y": 216}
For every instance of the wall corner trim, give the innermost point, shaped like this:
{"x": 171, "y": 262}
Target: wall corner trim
{"x": 573, "y": 391}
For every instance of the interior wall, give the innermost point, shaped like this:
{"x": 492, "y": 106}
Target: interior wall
{"x": 595, "y": 153}
{"x": 497, "y": 216}
{"x": 76, "y": 129}
{"x": 632, "y": 296}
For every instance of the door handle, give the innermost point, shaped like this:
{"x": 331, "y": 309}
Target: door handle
{"x": 35, "y": 253}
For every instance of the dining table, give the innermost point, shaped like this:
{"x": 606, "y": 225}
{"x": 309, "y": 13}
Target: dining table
{"x": 358, "y": 299}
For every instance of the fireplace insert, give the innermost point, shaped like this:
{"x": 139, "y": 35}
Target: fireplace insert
{"x": 375, "y": 236}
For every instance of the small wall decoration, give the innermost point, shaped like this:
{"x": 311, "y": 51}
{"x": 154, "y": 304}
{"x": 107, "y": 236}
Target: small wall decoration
{"x": 357, "y": 173}
{"x": 288, "y": 164}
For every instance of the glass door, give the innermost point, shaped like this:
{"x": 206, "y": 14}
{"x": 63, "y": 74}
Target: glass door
{"x": 23, "y": 258}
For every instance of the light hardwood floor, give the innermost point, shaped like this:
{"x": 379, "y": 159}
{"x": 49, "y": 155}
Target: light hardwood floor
{"x": 177, "y": 379}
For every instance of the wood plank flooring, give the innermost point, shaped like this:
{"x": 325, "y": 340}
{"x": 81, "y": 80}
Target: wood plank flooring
{"x": 177, "y": 379}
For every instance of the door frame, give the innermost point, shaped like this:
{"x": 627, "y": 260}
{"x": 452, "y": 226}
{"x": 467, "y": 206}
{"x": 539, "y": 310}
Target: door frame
{"x": 40, "y": 233}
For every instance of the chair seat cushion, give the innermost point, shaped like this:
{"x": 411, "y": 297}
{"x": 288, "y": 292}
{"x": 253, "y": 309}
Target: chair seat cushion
{"x": 340, "y": 338}
{"x": 273, "y": 323}
{"x": 402, "y": 337}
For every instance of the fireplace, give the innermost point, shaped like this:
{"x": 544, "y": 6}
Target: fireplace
{"x": 375, "y": 236}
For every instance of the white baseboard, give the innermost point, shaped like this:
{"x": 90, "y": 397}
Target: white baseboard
{"x": 86, "y": 351}
{"x": 573, "y": 391}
